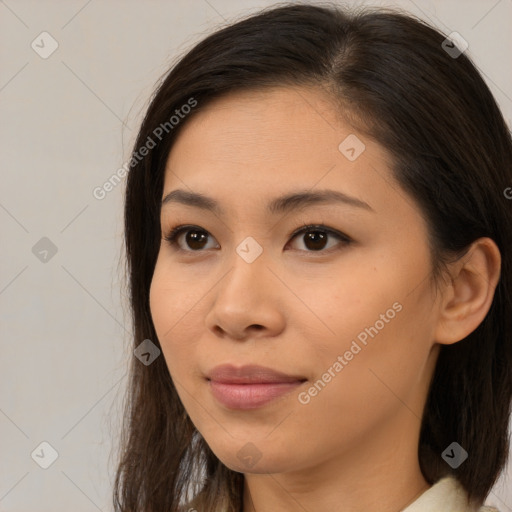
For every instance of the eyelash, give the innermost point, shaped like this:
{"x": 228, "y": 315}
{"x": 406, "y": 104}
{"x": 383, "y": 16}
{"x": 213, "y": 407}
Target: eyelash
{"x": 175, "y": 232}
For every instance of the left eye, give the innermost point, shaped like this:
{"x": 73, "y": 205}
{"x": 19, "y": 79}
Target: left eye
{"x": 314, "y": 238}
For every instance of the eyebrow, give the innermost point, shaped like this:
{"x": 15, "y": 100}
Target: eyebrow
{"x": 279, "y": 205}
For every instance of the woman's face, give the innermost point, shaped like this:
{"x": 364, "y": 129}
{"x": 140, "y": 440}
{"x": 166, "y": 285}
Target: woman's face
{"x": 347, "y": 312}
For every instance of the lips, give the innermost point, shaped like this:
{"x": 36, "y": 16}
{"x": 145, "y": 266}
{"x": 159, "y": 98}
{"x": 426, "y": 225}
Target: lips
{"x": 250, "y": 374}
{"x": 250, "y": 387}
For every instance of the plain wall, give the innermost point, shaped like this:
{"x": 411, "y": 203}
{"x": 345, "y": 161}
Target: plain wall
{"x": 68, "y": 123}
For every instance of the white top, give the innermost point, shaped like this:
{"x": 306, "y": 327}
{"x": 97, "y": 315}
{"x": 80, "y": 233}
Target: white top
{"x": 446, "y": 495}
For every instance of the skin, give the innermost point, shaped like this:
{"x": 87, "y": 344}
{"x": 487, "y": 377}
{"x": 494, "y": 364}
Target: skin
{"x": 296, "y": 310}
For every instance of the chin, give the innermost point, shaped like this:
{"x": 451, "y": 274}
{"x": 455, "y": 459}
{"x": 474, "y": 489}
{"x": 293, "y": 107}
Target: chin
{"x": 251, "y": 459}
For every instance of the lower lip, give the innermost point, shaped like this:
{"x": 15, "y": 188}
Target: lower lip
{"x": 250, "y": 396}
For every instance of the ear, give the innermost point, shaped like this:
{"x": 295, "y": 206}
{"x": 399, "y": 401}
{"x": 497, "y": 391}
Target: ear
{"x": 468, "y": 297}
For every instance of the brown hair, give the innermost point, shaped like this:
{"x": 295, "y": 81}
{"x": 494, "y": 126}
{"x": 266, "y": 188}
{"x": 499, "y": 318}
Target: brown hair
{"x": 452, "y": 153}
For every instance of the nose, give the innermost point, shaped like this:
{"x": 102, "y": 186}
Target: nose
{"x": 247, "y": 302}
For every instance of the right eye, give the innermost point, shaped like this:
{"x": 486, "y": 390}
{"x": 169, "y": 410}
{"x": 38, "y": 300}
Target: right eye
{"x": 195, "y": 238}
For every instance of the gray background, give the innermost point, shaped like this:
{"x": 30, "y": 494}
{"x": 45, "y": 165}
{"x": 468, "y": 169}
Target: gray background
{"x": 68, "y": 123}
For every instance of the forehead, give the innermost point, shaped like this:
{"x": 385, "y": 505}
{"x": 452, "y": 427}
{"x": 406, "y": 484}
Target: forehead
{"x": 292, "y": 127}
{"x": 249, "y": 147}
{"x": 283, "y": 115}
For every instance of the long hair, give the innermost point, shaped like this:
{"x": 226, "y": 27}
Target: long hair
{"x": 390, "y": 74}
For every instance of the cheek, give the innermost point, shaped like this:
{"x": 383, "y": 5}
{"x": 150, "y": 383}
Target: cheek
{"x": 380, "y": 322}
{"x": 173, "y": 296}
{"x": 388, "y": 357}
{"x": 339, "y": 307}
{"x": 174, "y": 311}
{"x": 385, "y": 374}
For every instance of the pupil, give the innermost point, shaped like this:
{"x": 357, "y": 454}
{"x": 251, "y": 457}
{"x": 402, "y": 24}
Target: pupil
{"x": 193, "y": 237}
{"x": 317, "y": 238}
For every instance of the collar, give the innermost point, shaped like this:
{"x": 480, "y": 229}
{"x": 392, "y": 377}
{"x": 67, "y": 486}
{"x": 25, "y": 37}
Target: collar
{"x": 446, "y": 495}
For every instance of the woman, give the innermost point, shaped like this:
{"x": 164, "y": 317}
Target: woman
{"x": 318, "y": 240}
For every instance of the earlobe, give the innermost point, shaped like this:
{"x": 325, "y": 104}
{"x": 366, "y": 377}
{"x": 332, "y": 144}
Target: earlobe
{"x": 468, "y": 298}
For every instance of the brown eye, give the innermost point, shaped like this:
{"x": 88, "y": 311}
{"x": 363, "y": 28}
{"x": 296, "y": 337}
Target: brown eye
{"x": 195, "y": 238}
{"x": 315, "y": 238}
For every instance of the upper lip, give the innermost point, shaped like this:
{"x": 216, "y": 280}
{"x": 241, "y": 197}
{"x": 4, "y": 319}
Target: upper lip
{"x": 229, "y": 374}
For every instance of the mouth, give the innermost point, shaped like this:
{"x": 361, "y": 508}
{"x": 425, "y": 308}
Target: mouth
{"x": 250, "y": 387}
